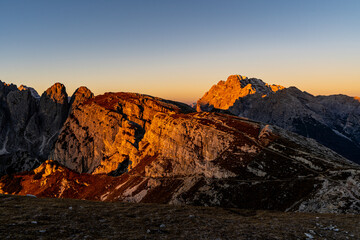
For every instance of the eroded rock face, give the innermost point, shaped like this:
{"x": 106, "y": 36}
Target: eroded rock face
{"x": 33, "y": 92}
{"x": 53, "y": 108}
{"x": 102, "y": 133}
{"x": 29, "y": 125}
{"x": 81, "y": 95}
{"x": 212, "y": 159}
{"x": 184, "y": 145}
{"x": 334, "y": 121}
{"x": 224, "y": 94}
{"x": 165, "y": 152}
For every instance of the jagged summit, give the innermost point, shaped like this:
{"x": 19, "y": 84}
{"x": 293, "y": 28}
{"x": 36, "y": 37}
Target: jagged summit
{"x": 4, "y": 84}
{"x": 81, "y": 95}
{"x": 224, "y": 94}
{"x": 332, "y": 120}
{"x": 33, "y": 92}
{"x": 57, "y": 93}
{"x": 30, "y": 124}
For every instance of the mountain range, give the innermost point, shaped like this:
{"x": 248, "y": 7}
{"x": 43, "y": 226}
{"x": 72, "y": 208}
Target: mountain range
{"x": 333, "y": 121}
{"x": 139, "y": 148}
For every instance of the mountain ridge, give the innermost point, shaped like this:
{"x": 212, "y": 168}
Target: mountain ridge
{"x": 231, "y": 162}
{"x": 138, "y": 148}
{"x": 332, "y": 120}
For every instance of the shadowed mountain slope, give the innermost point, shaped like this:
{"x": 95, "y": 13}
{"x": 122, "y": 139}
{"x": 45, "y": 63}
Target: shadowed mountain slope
{"x": 30, "y": 124}
{"x": 334, "y": 120}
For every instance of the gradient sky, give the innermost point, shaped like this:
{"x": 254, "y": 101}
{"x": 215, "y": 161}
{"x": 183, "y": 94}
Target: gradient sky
{"x": 179, "y": 49}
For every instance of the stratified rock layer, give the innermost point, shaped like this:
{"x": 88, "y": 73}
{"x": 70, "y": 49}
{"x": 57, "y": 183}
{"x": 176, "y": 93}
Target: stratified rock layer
{"x": 100, "y": 135}
{"x": 334, "y": 120}
{"x": 212, "y": 159}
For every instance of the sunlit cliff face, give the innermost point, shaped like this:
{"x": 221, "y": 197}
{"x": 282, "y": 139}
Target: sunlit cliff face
{"x": 274, "y": 87}
{"x": 224, "y": 94}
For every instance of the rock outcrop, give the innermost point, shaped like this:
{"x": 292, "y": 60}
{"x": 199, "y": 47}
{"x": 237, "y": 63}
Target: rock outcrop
{"x": 53, "y": 111}
{"x": 16, "y": 109}
{"x": 224, "y": 94}
{"x": 81, "y": 95}
{"x": 334, "y": 120}
{"x": 34, "y": 93}
{"x": 30, "y": 124}
{"x": 100, "y": 135}
{"x": 212, "y": 159}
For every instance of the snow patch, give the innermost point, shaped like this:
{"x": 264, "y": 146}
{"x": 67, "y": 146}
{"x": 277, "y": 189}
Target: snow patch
{"x": 309, "y": 236}
{"x": 341, "y": 135}
{"x": 256, "y": 171}
{"x": 33, "y": 92}
{"x": 307, "y": 162}
{"x": 42, "y": 146}
{"x": 3, "y": 150}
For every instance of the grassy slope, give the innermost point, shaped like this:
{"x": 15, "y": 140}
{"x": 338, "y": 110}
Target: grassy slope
{"x": 78, "y": 219}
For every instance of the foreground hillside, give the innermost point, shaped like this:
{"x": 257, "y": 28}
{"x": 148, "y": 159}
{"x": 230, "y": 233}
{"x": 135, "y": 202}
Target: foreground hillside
{"x": 34, "y": 218}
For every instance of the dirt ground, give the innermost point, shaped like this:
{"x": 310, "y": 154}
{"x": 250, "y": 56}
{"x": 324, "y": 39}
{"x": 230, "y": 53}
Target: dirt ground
{"x": 34, "y": 218}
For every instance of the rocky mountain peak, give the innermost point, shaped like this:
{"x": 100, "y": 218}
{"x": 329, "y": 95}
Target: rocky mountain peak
{"x": 33, "y": 92}
{"x": 332, "y": 120}
{"x": 235, "y": 79}
{"x": 224, "y": 94}
{"x": 53, "y": 111}
{"x": 57, "y": 93}
{"x": 4, "y": 84}
{"x": 5, "y": 89}
{"x": 80, "y": 95}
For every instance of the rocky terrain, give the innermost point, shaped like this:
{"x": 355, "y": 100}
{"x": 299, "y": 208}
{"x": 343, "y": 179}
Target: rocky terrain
{"x": 212, "y": 159}
{"x": 100, "y": 135}
{"x": 333, "y": 121}
{"x": 34, "y": 218}
{"x": 30, "y": 124}
{"x": 137, "y": 148}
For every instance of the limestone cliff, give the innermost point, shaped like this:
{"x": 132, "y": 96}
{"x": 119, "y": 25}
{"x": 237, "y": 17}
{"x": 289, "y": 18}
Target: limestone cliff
{"x": 100, "y": 135}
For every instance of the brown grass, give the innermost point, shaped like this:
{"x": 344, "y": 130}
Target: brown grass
{"x": 79, "y": 219}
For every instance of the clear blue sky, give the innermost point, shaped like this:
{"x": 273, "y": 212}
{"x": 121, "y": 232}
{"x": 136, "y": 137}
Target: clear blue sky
{"x": 179, "y": 49}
